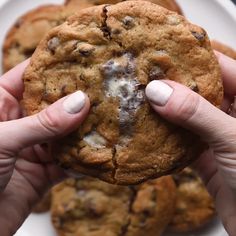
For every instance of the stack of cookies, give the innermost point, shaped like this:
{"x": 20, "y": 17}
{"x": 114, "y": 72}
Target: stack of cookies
{"x": 111, "y": 52}
{"x": 91, "y": 207}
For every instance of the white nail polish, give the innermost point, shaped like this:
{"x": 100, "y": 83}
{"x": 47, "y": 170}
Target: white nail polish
{"x": 158, "y": 92}
{"x": 74, "y": 103}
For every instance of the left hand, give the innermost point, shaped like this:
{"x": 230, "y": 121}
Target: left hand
{"x": 26, "y": 167}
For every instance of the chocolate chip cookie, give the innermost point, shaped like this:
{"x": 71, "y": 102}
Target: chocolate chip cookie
{"x": 228, "y": 51}
{"x": 194, "y": 206}
{"x": 26, "y": 33}
{"x": 112, "y": 53}
{"x": 169, "y": 4}
{"x": 91, "y": 207}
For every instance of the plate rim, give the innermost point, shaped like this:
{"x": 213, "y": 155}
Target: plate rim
{"x": 229, "y": 6}
{"x": 2, "y": 3}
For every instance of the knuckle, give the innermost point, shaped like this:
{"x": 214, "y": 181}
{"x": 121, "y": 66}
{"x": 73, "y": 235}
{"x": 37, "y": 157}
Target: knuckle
{"x": 188, "y": 107}
{"x": 49, "y": 122}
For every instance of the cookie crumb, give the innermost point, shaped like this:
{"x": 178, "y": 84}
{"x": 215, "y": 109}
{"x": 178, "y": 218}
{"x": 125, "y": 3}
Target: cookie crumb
{"x": 128, "y": 22}
{"x": 173, "y": 20}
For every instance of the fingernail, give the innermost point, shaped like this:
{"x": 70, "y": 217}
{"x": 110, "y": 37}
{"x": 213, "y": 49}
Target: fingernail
{"x": 74, "y": 103}
{"x": 158, "y": 92}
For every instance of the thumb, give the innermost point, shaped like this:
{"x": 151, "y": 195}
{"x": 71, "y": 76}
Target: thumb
{"x": 57, "y": 120}
{"x": 186, "y": 108}
{"x": 182, "y": 106}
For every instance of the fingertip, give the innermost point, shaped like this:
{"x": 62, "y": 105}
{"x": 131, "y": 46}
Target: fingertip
{"x": 71, "y": 110}
{"x": 228, "y": 71}
{"x": 158, "y": 92}
{"x": 74, "y": 103}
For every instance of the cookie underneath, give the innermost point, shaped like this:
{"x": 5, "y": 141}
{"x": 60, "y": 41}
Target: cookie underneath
{"x": 194, "y": 206}
{"x": 24, "y": 36}
{"x": 94, "y": 208}
{"x": 169, "y": 4}
{"x": 112, "y": 53}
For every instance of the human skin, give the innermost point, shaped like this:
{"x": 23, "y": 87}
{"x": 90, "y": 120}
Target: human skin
{"x": 26, "y": 168}
{"x": 217, "y": 165}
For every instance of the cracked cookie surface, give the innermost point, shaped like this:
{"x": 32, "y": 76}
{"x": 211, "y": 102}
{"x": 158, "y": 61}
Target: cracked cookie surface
{"x": 24, "y": 36}
{"x": 112, "y": 53}
{"x": 169, "y": 4}
{"x": 94, "y": 208}
{"x": 194, "y": 206}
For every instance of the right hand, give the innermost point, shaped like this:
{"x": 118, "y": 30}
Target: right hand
{"x": 217, "y": 165}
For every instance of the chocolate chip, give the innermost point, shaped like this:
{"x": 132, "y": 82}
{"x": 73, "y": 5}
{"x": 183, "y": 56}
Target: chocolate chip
{"x": 199, "y": 35}
{"x": 63, "y": 89}
{"x": 176, "y": 179}
{"x": 124, "y": 228}
{"x": 85, "y": 49}
{"x": 193, "y": 86}
{"x": 53, "y": 43}
{"x": 184, "y": 177}
{"x": 146, "y": 213}
{"x": 128, "y": 22}
{"x": 29, "y": 52}
{"x": 124, "y": 91}
{"x": 156, "y": 73}
{"x": 115, "y": 31}
{"x": 92, "y": 209}
{"x": 140, "y": 95}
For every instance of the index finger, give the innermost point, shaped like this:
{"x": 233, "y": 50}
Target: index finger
{"x": 12, "y": 80}
{"x": 228, "y": 69}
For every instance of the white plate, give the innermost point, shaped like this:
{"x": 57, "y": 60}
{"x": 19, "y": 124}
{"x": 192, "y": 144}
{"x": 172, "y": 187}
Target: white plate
{"x": 216, "y": 16}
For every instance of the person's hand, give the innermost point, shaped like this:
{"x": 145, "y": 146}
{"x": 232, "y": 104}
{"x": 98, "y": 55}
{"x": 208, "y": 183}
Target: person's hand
{"x": 26, "y": 167}
{"x": 217, "y": 165}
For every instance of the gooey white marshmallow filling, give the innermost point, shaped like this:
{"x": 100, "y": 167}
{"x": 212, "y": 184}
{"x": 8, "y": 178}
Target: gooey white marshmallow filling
{"x": 120, "y": 82}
